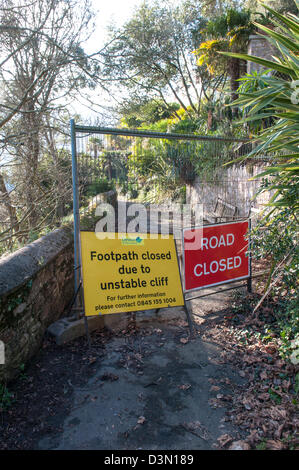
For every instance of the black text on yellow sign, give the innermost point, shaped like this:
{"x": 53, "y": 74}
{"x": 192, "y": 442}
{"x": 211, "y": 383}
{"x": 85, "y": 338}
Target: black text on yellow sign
{"x": 129, "y": 272}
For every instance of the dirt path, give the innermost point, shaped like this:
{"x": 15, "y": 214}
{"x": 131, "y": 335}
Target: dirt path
{"x": 149, "y": 386}
{"x": 145, "y": 387}
{"x": 151, "y": 391}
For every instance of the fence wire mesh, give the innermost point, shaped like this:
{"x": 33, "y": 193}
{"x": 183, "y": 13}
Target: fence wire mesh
{"x": 148, "y": 167}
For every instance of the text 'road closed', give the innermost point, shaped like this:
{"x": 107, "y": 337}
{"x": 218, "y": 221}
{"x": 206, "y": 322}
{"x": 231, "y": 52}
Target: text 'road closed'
{"x": 221, "y": 255}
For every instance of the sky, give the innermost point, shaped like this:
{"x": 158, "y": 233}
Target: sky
{"x": 116, "y": 11}
{"x": 108, "y": 11}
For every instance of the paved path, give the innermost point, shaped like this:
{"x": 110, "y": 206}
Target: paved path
{"x": 152, "y": 389}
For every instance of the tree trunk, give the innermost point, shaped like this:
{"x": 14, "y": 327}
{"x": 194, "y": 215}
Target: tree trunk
{"x": 5, "y": 199}
{"x": 32, "y": 126}
{"x": 234, "y": 84}
{"x": 210, "y": 119}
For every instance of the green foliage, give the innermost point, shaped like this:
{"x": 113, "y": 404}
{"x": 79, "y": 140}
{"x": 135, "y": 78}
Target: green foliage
{"x": 276, "y": 238}
{"x": 288, "y": 325}
{"x": 130, "y": 189}
{"x": 281, "y": 323}
{"x": 262, "y": 445}
{"x": 14, "y": 299}
{"x": 158, "y": 165}
{"x": 6, "y": 397}
{"x": 262, "y": 15}
{"x": 229, "y": 22}
{"x": 23, "y": 375}
{"x": 99, "y": 186}
{"x": 251, "y": 83}
{"x": 276, "y": 99}
{"x": 274, "y": 396}
{"x": 150, "y": 57}
{"x": 229, "y": 31}
{"x": 136, "y": 114}
{"x": 186, "y": 126}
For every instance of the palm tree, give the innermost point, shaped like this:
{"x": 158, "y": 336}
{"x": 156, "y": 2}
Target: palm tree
{"x": 228, "y": 32}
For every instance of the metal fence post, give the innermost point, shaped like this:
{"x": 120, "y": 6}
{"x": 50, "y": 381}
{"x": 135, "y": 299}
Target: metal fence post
{"x": 75, "y": 207}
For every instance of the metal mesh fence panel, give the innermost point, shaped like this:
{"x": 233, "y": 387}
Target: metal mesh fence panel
{"x": 148, "y": 167}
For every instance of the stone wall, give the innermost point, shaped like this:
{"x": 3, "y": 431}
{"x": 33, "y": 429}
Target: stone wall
{"x": 259, "y": 46}
{"x": 231, "y": 184}
{"x": 36, "y": 285}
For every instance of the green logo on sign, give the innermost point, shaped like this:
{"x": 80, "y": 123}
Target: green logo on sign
{"x": 132, "y": 241}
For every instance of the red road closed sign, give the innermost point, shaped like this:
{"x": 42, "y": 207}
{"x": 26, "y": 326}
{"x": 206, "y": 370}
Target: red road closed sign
{"x": 220, "y": 255}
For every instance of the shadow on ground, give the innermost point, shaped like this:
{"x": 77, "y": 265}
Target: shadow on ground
{"x": 144, "y": 386}
{"x": 151, "y": 390}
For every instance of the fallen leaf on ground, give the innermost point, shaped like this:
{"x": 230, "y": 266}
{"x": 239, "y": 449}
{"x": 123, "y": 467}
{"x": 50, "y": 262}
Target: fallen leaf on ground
{"x": 279, "y": 431}
{"x": 239, "y": 445}
{"x": 197, "y": 429}
{"x": 182, "y": 323}
{"x": 275, "y": 445}
{"x": 184, "y": 340}
{"x": 184, "y": 386}
{"x": 264, "y": 396}
{"x": 271, "y": 348}
{"x": 263, "y": 375}
{"x": 224, "y": 439}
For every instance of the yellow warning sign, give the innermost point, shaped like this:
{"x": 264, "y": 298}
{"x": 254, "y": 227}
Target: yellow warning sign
{"x": 129, "y": 272}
